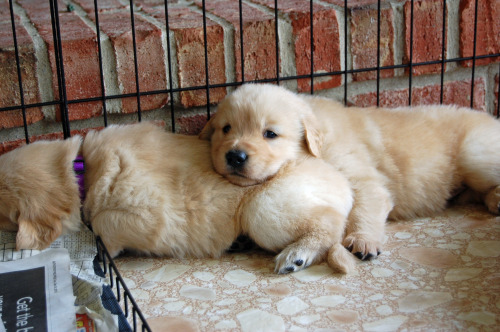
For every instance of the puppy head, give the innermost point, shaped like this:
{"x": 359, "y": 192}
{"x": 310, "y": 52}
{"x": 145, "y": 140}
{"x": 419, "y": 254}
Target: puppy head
{"x": 38, "y": 192}
{"x": 257, "y": 130}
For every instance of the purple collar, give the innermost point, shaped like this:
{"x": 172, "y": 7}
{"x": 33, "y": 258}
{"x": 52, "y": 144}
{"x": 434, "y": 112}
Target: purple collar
{"x": 79, "y": 168}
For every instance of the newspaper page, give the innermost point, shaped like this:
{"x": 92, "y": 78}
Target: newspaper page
{"x": 36, "y": 293}
{"x": 87, "y": 286}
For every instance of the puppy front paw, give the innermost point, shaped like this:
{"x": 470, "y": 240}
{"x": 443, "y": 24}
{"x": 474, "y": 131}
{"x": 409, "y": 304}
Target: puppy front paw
{"x": 294, "y": 259}
{"x": 362, "y": 246}
{"x": 492, "y": 200}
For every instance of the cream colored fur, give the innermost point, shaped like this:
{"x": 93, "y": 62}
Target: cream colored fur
{"x": 400, "y": 163}
{"x": 37, "y": 192}
{"x": 157, "y": 193}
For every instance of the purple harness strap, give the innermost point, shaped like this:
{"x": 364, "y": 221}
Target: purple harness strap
{"x": 79, "y": 168}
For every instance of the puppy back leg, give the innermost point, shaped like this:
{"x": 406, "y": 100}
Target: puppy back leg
{"x": 492, "y": 200}
{"x": 366, "y": 222}
{"x": 124, "y": 230}
{"x": 479, "y": 162}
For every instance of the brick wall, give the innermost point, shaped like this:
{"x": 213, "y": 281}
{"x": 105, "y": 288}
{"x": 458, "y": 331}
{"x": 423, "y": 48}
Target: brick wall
{"x": 185, "y": 72}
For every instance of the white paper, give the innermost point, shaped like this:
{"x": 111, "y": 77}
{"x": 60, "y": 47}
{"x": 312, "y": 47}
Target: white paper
{"x": 80, "y": 245}
{"x": 87, "y": 286}
{"x": 37, "y": 293}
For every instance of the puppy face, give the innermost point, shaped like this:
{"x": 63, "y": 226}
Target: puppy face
{"x": 257, "y": 130}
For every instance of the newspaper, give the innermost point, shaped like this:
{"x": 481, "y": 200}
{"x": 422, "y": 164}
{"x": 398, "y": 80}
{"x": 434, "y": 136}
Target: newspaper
{"x": 86, "y": 285}
{"x": 36, "y": 293}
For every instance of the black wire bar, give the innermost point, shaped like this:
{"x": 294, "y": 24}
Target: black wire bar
{"x": 61, "y": 81}
{"x": 63, "y": 102}
{"x": 122, "y": 291}
{"x": 18, "y": 69}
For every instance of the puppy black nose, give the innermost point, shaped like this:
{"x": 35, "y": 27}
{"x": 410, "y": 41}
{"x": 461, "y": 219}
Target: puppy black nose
{"x": 236, "y": 158}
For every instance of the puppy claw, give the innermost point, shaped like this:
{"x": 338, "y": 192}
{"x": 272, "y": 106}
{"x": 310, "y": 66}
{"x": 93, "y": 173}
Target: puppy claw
{"x": 359, "y": 255}
{"x": 492, "y": 200}
{"x": 299, "y": 262}
{"x": 361, "y": 246}
{"x": 294, "y": 259}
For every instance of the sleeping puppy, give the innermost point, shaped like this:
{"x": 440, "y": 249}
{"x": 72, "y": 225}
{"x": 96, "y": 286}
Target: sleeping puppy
{"x": 157, "y": 193}
{"x": 401, "y": 163}
{"x": 38, "y": 192}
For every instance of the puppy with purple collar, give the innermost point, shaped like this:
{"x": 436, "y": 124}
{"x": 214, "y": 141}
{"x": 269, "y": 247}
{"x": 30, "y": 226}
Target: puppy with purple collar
{"x": 156, "y": 193}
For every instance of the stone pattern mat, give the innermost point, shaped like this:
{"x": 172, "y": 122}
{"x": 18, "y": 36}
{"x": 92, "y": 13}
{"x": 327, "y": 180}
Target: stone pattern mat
{"x": 440, "y": 273}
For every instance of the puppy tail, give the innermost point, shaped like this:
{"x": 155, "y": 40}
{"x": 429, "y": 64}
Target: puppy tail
{"x": 341, "y": 260}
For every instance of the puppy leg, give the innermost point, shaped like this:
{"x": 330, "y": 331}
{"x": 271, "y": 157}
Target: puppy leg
{"x": 319, "y": 240}
{"x": 121, "y": 230}
{"x": 309, "y": 249}
{"x": 108, "y": 235}
{"x": 492, "y": 200}
{"x": 479, "y": 161}
{"x": 366, "y": 222}
{"x": 339, "y": 259}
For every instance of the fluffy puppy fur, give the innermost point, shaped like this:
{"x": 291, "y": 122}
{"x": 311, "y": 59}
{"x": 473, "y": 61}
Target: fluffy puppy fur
{"x": 157, "y": 193}
{"x": 37, "y": 192}
{"x": 401, "y": 163}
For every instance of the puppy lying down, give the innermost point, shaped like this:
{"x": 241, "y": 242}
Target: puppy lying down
{"x": 157, "y": 193}
{"x": 400, "y": 163}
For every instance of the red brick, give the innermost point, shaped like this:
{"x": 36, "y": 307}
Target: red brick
{"x": 455, "y": 93}
{"x": 79, "y": 48}
{"x": 388, "y": 98}
{"x": 326, "y": 41}
{"x": 4, "y": 12}
{"x": 191, "y": 125}
{"x": 117, "y": 25}
{"x": 427, "y": 34}
{"x": 458, "y": 93}
{"x": 9, "y": 85}
{"x": 364, "y": 42}
{"x": 102, "y": 5}
{"x": 355, "y": 3}
{"x": 487, "y": 33}
{"x": 11, "y": 145}
{"x": 496, "y": 106}
{"x": 187, "y": 26}
{"x": 258, "y": 38}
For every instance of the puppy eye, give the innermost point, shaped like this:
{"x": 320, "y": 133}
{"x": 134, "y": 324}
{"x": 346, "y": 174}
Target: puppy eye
{"x": 270, "y": 134}
{"x": 226, "y": 129}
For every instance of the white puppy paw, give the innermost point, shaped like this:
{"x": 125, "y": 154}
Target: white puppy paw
{"x": 492, "y": 200}
{"x": 362, "y": 246}
{"x": 293, "y": 259}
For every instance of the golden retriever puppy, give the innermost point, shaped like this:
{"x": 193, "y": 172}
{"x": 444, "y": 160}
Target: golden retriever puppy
{"x": 39, "y": 193}
{"x": 157, "y": 193}
{"x": 401, "y": 163}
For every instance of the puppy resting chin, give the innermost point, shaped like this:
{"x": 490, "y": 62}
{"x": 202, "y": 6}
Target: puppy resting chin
{"x": 243, "y": 180}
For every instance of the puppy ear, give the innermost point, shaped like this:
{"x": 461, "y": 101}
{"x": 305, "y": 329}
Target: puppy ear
{"x": 312, "y": 135}
{"x": 208, "y": 130}
{"x": 37, "y": 234}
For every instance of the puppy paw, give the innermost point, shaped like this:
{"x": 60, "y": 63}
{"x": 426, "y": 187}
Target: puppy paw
{"x": 294, "y": 259}
{"x": 339, "y": 259}
{"x": 492, "y": 200}
{"x": 241, "y": 244}
{"x": 362, "y": 246}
